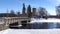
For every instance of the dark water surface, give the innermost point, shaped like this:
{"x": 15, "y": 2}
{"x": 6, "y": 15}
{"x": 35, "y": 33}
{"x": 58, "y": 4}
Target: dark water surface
{"x": 39, "y": 26}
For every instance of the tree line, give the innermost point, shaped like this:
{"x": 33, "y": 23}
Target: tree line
{"x": 41, "y": 11}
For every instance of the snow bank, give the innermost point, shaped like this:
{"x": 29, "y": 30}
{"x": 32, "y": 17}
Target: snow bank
{"x": 49, "y": 20}
{"x": 31, "y": 31}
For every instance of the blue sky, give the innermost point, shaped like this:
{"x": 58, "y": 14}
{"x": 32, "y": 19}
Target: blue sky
{"x": 16, "y": 5}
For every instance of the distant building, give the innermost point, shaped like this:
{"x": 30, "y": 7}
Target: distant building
{"x": 34, "y": 12}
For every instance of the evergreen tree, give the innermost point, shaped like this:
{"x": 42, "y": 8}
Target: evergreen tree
{"x": 29, "y": 13}
{"x": 23, "y": 9}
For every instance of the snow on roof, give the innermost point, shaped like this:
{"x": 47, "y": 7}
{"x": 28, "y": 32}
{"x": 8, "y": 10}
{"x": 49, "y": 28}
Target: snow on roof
{"x": 30, "y": 31}
{"x": 41, "y": 20}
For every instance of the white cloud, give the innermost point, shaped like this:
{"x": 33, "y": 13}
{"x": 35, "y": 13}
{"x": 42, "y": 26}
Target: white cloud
{"x": 57, "y": 2}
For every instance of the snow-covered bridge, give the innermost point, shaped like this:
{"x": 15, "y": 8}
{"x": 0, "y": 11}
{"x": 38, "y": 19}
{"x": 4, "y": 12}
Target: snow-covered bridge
{"x": 10, "y": 20}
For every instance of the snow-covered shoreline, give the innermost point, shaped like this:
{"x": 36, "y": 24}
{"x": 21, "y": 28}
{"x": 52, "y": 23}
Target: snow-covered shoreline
{"x": 41, "y": 20}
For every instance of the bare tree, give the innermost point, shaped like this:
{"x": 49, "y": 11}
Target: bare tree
{"x": 42, "y": 12}
{"x": 58, "y": 10}
{"x": 12, "y": 12}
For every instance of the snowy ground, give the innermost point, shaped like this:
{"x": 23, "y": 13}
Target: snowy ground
{"x": 31, "y": 31}
{"x": 34, "y": 31}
